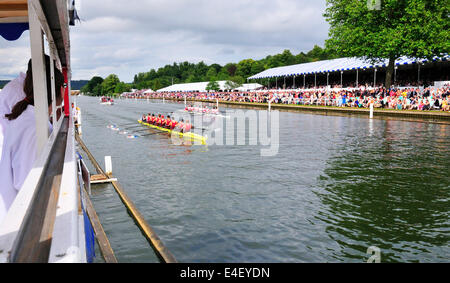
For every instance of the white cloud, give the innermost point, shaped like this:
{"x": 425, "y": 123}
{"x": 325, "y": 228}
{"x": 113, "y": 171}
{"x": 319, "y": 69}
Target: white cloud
{"x": 130, "y": 36}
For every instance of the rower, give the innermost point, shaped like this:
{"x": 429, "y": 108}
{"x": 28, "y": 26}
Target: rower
{"x": 158, "y": 120}
{"x": 153, "y": 119}
{"x": 173, "y": 124}
{"x": 167, "y": 122}
{"x": 180, "y": 125}
{"x": 187, "y": 127}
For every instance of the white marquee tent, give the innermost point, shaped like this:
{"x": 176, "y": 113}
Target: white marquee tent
{"x": 201, "y": 87}
{"x": 341, "y": 64}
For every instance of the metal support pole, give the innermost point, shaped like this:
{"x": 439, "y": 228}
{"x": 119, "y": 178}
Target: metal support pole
{"x": 395, "y": 74}
{"x": 375, "y": 78}
{"x": 304, "y": 81}
{"x": 328, "y": 74}
{"x": 357, "y": 73}
{"x": 341, "y": 79}
{"x": 418, "y": 75}
{"x": 315, "y": 79}
{"x": 293, "y": 85}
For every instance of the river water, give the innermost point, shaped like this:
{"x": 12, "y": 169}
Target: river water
{"x": 337, "y": 186}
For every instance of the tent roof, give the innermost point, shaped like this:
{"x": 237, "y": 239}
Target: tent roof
{"x": 334, "y": 65}
{"x": 201, "y": 87}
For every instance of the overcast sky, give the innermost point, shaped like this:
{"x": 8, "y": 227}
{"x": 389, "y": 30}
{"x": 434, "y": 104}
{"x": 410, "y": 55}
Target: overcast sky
{"x": 126, "y": 37}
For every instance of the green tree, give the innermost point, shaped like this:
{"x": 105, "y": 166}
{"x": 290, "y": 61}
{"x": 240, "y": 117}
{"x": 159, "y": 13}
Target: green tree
{"x": 231, "y": 69}
{"x": 244, "y": 68}
{"x": 395, "y": 28}
{"x": 213, "y": 85}
{"x": 156, "y": 84}
{"x": 91, "y": 85}
{"x": 122, "y": 87}
{"x": 212, "y": 73}
{"x": 223, "y": 75}
{"x": 97, "y": 90}
{"x": 109, "y": 84}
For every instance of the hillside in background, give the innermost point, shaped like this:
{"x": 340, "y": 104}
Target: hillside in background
{"x": 76, "y": 85}
{"x": 3, "y": 83}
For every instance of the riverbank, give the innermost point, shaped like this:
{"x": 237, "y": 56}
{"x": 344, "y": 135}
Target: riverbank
{"x": 332, "y": 110}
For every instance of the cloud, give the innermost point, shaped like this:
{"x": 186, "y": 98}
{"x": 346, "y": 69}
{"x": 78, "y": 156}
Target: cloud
{"x": 130, "y": 36}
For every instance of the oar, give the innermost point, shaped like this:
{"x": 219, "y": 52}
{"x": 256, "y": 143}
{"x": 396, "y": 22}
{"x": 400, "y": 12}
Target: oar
{"x": 112, "y": 124}
{"x": 139, "y": 126}
{"x": 150, "y": 134}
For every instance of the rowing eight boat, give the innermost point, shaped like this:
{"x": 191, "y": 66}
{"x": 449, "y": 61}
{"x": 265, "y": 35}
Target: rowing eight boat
{"x": 188, "y": 135}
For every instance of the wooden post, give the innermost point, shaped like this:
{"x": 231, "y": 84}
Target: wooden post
{"x": 371, "y": 109}
{"x": 108, "y": 165}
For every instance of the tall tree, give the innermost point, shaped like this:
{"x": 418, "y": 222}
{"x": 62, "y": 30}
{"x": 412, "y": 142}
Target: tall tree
{"x": 90, "y": 86}
{"x": 388, "y": 29}
{"x": 109, "y": 84}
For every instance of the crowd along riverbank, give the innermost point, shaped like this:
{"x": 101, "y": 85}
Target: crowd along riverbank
{"x": 429, "y": 116}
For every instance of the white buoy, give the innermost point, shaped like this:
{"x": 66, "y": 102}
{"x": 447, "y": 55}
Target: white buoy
{"x": 371, "y": 110}
{"x": 217, "y": 104}
{"x": 108, "y": 165}
{"x": 269, "y": 104}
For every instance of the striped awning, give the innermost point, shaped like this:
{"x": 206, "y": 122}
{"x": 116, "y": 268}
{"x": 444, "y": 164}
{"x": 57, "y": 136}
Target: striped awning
{"x": 336, "y": 65}
{"x": 13, "y": 18}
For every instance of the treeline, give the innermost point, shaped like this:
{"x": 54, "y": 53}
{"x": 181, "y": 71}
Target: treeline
{"x": 186, "y": 72}
{"x": 111, "y": 85}
{"x": 238, "y": 72}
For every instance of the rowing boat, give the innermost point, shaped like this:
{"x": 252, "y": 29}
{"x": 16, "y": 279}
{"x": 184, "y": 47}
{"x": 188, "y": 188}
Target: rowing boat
{"x": 207, "y": 114}
{"x": 188, "y": 135}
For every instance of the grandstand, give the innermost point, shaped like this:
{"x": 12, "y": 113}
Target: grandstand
{"x": 352, "y": 71}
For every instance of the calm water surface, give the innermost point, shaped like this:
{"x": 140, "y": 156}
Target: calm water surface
{"x": 337, "y": 186}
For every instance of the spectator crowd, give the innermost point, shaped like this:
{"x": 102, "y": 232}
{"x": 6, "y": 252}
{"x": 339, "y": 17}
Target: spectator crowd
{"x": 407, "y": 98}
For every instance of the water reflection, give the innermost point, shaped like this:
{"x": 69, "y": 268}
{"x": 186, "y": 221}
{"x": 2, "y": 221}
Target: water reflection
{"x": 390, "y": 190}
